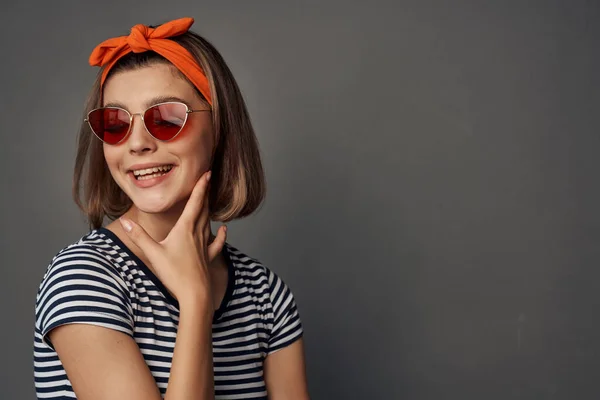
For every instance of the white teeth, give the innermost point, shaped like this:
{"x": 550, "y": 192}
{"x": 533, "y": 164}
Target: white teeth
{"x": 153, "y": 171}
{"x": 143, "y": 178}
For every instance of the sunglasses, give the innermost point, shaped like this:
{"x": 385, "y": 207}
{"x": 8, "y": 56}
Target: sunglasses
{"x": 163, "y": 121}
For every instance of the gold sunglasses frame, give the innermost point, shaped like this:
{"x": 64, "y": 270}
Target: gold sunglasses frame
{"x": 188, "y": 111}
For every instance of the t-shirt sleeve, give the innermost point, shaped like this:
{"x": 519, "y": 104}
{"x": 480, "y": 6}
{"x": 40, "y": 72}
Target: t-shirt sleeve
{"x": 287, "y": 327}
{"x": 81, "y": 286}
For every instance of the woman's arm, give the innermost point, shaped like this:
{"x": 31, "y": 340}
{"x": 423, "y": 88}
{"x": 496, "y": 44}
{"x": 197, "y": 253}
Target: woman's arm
{"x": 285, "y": 373}
{"x": 105, "y": 364}
{"x": 192, "y": 375}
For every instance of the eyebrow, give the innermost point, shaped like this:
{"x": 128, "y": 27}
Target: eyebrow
{"x": 150, "y": 102}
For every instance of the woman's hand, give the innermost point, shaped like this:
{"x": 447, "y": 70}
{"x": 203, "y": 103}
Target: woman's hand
{"x": 181, "y": 260}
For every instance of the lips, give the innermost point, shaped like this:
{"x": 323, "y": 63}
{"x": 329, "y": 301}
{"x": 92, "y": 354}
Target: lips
{"x": 147, "y": 175}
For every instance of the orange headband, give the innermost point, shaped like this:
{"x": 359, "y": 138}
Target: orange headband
{"x": 143, "y": 38}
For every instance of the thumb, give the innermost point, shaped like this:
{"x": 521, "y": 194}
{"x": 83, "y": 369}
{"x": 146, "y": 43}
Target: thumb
{"x": 139, "y": 236}
{"x": 217, "y": 245}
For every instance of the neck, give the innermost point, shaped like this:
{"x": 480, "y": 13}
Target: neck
{"x": 156, "y": 225}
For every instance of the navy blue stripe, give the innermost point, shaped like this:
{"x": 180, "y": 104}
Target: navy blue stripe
{"x": 238, "y": 391}
{"x": 53, "y": 389}
{"x": 236, "y": 372}
{"x": 93, "y": 310}
{"x": 57, "y": 367}
{"x": 286, "y": 343}
{"x": 236, "y": 363}
{"x": 239, "y": 382}
{"x": 90, "y": 319}
{"x": 252, "y": 342}
{"x": 51, "y": 378}
{"x": 164, "y": 329}
{"x": 154, "y": 336}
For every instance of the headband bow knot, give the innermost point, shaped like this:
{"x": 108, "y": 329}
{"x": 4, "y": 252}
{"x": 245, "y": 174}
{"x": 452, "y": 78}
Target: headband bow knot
{"x": 144, "y": 38}
{"x": 138, "y": 39}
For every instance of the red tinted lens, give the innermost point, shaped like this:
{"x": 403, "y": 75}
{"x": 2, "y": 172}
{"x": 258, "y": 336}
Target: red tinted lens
{"x": 164, "y": 121}
{"x": 109, "y": 124}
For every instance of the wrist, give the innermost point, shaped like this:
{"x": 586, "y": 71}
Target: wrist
{"x": 197, "y": 304}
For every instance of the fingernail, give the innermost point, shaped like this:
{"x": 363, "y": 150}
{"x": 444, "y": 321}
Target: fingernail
{"x": 208, "y": 176}
{"x": 225, "y": 228}
{"x": 126, "y": 224}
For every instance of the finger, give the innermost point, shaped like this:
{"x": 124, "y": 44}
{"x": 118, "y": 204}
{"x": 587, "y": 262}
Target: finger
{"x": 217, "y": 245}
{"x": 196, "y": 201}
{"x": 139, "y": 236}
{"x": 203, "y": 236}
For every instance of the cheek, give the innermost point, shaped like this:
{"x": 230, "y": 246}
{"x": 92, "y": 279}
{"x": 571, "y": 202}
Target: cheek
{"x": 198, "y": 149}
{"x": 111, "y": 158}
{"x": 201, "y": 134}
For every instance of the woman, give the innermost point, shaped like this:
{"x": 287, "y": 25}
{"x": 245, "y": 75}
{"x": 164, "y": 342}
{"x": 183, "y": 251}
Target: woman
{"x": 153, "y": 305}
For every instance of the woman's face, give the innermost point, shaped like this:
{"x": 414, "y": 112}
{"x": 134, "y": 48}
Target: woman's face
{"x": 189, "y": 153}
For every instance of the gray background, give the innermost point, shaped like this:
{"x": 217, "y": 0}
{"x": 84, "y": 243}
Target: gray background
{"x": 433, "y": 199}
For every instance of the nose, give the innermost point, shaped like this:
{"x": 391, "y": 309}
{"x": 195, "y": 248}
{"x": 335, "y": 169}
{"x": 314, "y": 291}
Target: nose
{"x": 139, "y": 140}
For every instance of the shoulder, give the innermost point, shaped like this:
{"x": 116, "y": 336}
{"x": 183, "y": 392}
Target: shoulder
{"x": 87, "y": 265}
{"x": 263, "y": 283}
{"x": 284, "y": 326}
{"x": 252, "y": 271}
{"x": 83, "y": 283}
{"x": 94, "y": 243}
{"x": 93, "y": 255}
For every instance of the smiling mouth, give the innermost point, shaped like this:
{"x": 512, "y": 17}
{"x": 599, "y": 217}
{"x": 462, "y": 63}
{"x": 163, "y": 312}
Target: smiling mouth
{"x": 150, "y": 173}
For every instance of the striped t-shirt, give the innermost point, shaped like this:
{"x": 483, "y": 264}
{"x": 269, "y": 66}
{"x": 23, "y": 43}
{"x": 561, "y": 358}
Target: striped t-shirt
{"x": 99, "y": 281}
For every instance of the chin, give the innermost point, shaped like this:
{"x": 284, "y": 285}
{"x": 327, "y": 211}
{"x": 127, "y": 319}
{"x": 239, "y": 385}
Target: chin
{"x": 160, "y": 199}
{"x": 156, "y": 206}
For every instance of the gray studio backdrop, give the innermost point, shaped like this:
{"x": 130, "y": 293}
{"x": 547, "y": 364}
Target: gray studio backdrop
{"x": 432, "y": 170}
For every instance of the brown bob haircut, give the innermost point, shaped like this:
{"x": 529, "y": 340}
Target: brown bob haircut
{"x": 237, "y": 184}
